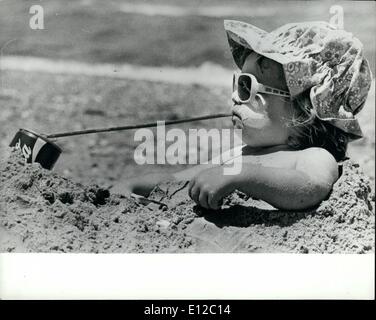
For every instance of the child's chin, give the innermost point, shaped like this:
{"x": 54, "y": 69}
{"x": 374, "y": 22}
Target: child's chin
{"x": 252, "y": 138}
{"x": 251, "y": 143}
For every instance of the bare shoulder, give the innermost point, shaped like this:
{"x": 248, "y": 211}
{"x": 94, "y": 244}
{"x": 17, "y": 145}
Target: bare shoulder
{"x": 319, "y": 163}
{"x": 316, "y": 154}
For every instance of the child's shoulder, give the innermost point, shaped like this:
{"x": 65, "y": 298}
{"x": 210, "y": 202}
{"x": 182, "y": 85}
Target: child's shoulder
{"x": 318, "y": 161}
{"x": 309, "y": 159}
{"x": 313, "y": 154}
{"x": 317, "y": 154}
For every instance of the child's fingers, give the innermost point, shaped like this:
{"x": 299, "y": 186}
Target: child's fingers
{"x": 195, "y": 193}
{"x": 203, "y": 199}
{"x": 214, "y": 200}
{"x": 190, "y": 187}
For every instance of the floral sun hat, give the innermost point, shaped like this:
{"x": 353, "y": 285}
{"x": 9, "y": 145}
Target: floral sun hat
{"x": 315, "y": 56}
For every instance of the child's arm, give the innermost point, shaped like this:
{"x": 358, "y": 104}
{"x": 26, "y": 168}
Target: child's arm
{"x": 303, "y": 185}
{"x": 144, "y": 184}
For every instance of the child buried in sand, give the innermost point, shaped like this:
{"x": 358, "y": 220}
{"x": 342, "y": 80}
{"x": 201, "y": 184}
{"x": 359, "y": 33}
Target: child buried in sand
{"x": 293, "y": 135}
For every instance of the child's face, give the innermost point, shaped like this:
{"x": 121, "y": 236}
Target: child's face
{"x": 263, "y": 122}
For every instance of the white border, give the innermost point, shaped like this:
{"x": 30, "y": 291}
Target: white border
{"x": 186, "y": 276}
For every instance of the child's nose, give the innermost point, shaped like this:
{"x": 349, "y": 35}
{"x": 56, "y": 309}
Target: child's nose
{"x": 235, "y": 97}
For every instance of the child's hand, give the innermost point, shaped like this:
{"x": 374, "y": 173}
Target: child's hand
{"x": 210, "y": 186}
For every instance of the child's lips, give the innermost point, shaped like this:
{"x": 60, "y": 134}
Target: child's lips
{"x": 237, "y": 120}
{"x": 237, "y": 115}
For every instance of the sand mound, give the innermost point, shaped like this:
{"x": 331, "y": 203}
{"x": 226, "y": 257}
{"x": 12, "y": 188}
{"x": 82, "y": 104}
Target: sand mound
{"x": 41, "y": 211}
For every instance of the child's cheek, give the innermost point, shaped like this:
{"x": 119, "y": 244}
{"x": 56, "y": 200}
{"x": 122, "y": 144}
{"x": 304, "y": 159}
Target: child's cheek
{"x": 256, "y": 114}
{"x": 257, "y": 122}
{"x": 260, "y": 104}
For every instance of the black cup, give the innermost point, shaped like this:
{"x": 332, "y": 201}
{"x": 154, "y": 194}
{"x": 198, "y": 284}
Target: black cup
{"x": 36, "y": 148}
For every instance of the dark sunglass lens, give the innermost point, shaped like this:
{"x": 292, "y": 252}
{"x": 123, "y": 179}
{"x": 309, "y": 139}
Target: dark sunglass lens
{"x": 244, "y": 87}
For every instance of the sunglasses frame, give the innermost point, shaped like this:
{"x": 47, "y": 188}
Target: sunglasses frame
{"x": 256, "y": 87}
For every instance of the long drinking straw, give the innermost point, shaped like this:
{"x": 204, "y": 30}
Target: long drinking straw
{"x": 137, "y": 126}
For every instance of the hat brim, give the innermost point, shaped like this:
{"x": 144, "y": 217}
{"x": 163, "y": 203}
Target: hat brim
{"x": 244, "y": 38}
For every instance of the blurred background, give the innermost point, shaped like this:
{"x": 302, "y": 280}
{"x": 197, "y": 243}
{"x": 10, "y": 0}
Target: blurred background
{"x": 104, "y": 63}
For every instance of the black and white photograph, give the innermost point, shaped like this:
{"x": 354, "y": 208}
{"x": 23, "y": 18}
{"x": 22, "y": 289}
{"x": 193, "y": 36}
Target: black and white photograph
{"x": 185, "y": 127}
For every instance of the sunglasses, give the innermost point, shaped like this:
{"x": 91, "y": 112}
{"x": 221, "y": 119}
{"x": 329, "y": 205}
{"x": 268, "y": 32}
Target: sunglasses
{"x": 247, "y": 86}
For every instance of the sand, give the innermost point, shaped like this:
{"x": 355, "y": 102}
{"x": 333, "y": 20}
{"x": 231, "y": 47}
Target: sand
{"x": 42, "y": 211}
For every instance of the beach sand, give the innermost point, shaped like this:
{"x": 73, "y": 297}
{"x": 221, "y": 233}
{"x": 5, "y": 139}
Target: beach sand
{"x": 42, "y": 211}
